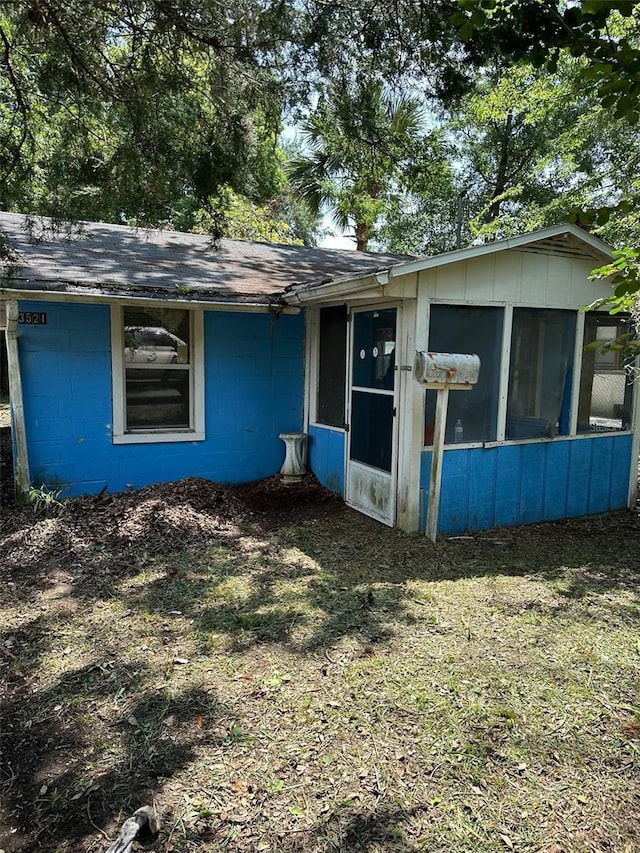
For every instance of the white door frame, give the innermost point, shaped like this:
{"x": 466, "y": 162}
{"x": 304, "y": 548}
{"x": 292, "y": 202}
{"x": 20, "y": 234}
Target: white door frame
{"x": 370, "y": 490}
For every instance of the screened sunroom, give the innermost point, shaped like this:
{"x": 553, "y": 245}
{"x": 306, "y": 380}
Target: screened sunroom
{"x": 548, "y": 430}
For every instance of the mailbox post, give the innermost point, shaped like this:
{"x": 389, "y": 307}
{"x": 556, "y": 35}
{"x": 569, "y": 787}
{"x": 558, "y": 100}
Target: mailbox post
{"x": 442, "y": 372}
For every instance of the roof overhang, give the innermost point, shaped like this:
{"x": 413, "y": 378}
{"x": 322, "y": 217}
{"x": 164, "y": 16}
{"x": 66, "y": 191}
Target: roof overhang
{"x": 564, "y": 240}
{"x": 88, "y": 295}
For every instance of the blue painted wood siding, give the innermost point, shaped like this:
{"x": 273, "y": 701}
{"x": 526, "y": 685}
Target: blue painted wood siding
{"x": 326, "y": 457}
{"x": 254, "y": 380}
{"x": 511, "y": 484}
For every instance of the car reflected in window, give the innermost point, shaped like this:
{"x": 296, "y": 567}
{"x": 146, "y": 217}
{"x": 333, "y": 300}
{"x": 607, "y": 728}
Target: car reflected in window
{"x": 148, "y": 345}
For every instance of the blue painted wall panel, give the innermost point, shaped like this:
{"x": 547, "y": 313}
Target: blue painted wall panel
{"x": 326, "y": 457}
{"x": 620, "y": 472}
{"x": 530, "y": 482}
{"x": 532, "y": 478}
{"x": 600, "y": 477}
{"x": 507, "y": 494}
{"x": 579, "y": 476}
{"x": 482, "y": 489}
{"x": 453, "y": 499}
{"x": 425, "y": 470}
{"x": 254, "y": 380}
{"x": 556, "y": 480}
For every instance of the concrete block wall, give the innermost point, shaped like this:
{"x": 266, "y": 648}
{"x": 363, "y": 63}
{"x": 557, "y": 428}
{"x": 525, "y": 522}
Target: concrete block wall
{"x": 254, "y": 380}
{"x": 326, "y": 457}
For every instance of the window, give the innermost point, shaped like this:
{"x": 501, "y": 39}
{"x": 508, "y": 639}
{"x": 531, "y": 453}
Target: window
{"x": 540, "y": 373}
{"x": 373, "y": 383}
{"x": 605, "y": 386}
{"x": 157, "y": 374}
{"x": 332, "y": 366}
{"x": 466, "y": 329}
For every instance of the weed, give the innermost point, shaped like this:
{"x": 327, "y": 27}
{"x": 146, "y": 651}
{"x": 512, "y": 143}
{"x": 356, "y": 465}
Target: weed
{"x": 274, "y": 787}
{"x": 45, "y": 499}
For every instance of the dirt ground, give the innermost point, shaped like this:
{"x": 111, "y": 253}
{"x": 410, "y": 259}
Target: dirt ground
{"x": 272, "y": 671}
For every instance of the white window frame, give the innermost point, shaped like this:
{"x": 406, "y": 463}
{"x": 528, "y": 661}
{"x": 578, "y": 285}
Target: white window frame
{"x": 196, "y": 430}
{"x": 313, "y": 321}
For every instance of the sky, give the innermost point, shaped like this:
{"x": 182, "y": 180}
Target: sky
{"x": 335, "y": 240}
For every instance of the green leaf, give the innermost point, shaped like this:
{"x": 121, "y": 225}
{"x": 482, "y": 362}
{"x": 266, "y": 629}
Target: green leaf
{"x": 466, "y": 31}
{"x": 626, "y": 288}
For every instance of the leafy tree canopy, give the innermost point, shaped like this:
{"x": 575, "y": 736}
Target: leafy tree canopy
{"x": 120, "y": 110}
{"x": 605, "y": 36}
{"x": 603, "y": 33}
{"x": 356, "y": 143}
{"x": 140, "y": 110}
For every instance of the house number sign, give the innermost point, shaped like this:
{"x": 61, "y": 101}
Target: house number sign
{"x": 33, "y": 318}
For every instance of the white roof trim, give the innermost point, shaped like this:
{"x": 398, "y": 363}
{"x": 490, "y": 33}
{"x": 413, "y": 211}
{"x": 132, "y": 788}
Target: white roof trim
{"x": 501, "y": 245}
{"x": 306, "y": 292}
{"x": 145, "y": 300}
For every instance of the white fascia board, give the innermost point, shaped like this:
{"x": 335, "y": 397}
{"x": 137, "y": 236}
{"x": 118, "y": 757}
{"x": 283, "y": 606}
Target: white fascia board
{"x": 144, "y": 301}
{"x": 347, "y": 285}
{"x": 501, "y": 246}
{"x": 341, "y": 287}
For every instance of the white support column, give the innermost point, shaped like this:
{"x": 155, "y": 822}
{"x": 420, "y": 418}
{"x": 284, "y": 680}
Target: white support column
{"x": 505, "y": 357}
{"x": 21, "y": 477}
{"x": 312, "y": 325}
{"x": 577, "y": 374}
{"x": 411, "y": 420}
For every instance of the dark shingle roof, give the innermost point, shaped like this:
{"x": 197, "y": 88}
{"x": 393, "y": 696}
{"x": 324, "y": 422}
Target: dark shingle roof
{"x": 118, "y": 259}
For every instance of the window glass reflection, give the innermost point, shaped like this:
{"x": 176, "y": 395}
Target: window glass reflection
{"x": 374, "y": 349}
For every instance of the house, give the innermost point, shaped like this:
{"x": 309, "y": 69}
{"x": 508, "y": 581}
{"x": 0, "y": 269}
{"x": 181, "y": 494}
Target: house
{"x": 149, "y": 356}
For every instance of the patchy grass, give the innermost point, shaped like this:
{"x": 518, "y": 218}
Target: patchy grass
{"x": 304, "y": 679}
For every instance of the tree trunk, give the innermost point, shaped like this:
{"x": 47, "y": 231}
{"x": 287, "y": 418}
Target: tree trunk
{"x": 363, "y": 232}
{"x": 501, "y": 177}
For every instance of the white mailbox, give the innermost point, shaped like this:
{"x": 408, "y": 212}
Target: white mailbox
{"x": 444, "y": 368}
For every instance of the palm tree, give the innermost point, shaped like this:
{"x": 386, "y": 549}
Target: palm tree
{"x": 354, "y": 146}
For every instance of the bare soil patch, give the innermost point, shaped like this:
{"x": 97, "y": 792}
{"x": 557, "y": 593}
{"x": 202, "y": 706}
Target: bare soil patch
{"x": 274, "y": 672}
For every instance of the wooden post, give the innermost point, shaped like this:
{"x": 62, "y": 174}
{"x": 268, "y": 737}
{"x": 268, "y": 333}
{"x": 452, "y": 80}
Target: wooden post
{"x": 17, "y": 407}
{"x": 442, "y": 404}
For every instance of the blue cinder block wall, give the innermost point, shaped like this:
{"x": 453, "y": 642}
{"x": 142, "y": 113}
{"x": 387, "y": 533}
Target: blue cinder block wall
{"x": 254, "y": 379}
{"x": 326, "y": 457}
{"x": 523, "y": 483}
